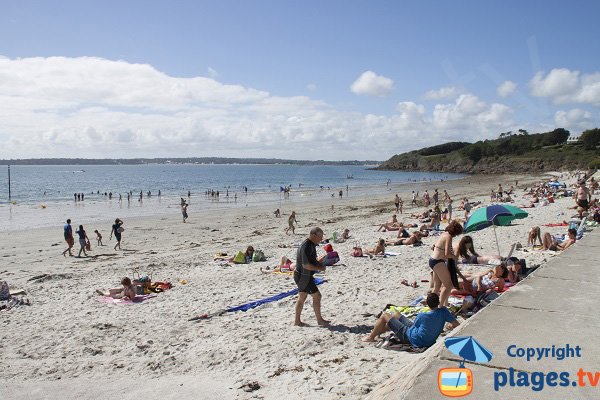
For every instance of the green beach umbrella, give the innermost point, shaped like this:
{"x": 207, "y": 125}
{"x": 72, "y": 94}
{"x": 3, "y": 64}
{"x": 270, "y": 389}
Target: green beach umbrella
{"x": 494, "y": 215}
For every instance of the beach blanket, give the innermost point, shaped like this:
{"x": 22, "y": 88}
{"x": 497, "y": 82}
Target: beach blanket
{"x": 138, "y": 299}
{"x": 253, "y": 304}
{"x": 391, "y": 253}
{"x": 557, "y": 224}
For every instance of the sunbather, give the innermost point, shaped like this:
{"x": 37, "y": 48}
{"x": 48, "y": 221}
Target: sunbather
{"x": 550, "y": 243}
{"x": 465, "y": 250}
{"x": 490, "y": 279}
{"x": 392, "y": 225}
{"x": 415, "y": 237}
{"x": 423, "y": 332}
{"x": 127, "y": 291}
{"x": 379, "y": 249}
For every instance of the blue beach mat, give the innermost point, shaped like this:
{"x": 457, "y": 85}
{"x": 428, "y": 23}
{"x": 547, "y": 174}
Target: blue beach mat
{"x": 254, "y": 304}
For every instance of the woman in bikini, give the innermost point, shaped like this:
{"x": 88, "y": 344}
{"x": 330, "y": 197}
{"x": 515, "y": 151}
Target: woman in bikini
{"x": 415, "y": 237}
{"x": 484, "y": 281}
{"x": 378, "y": 250}
{"x": 392, "y": 225}
{"x": 442, "y": 251}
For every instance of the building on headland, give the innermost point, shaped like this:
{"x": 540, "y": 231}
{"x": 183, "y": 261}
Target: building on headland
{"x": 572, "y": 139}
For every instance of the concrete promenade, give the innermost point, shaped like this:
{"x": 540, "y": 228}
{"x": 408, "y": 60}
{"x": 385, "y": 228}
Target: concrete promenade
{"x": 557, "y": 305}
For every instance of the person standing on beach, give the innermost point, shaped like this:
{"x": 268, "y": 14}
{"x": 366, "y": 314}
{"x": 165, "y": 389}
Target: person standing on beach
{"x": 184, "y": 207}
{"x": 68, "y": 232}
{"x": 291, "y": 221}
{"x": 397, "y": 202}
{"x": 117, "y": 229}
{"x": 414, "y": 199}
{"x": 583, "y": 197}
{"x": 83, "y": 240}
{"x": 436, "y": 197}
{"x": 306, "y": 266}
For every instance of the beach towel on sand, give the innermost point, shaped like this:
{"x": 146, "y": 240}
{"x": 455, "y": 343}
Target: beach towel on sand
{"x": 138, "y": 299}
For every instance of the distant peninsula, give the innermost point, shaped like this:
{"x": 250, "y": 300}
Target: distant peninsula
{"x": 188, "y": 160}
{"x": 518, "y": 152}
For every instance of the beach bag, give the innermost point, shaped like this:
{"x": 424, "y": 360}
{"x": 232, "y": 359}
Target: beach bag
{"x": 330, "y": 258}
{"x": 120, "y": 229}
{"x": 258, "y": 256}
{"x": 483, "y": 299}
{"x": 357, "y": 252}
{"x": 4, "y": 291}
{"x": 239, "y": 258}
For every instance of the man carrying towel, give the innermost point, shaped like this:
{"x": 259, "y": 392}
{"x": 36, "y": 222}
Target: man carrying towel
{"x": 306, "y": 266}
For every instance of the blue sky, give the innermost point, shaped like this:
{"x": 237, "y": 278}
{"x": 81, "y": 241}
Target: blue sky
{"x": 278, "y": 78}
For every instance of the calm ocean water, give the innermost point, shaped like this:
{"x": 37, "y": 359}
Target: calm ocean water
{"x": 43, "y": 195}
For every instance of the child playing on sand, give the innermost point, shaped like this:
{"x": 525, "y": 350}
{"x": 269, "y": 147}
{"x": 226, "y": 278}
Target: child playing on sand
{"x": 291, "y": 221}
{"x": 98, "y": 237}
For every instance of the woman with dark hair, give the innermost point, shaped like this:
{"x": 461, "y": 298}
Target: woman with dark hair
{"x": 117, "y": 229}
{"x": 441, "y": 252}
{"x": 466, "y": 253}
{"x": 83, "y": 240}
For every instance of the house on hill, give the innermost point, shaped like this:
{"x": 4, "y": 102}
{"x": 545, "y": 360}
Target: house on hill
{"x": 573, "y": 139}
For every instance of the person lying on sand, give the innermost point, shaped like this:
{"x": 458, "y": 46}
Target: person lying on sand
{"x": 549, "y": 243}
{"x": 421, "y": 333}
{"x": 490, "y": 279}
{"x": 392, "y": 225}
{"x": 465, "y": 250}
{"x": 414, "y": 238}
{"x": 379, "y": 249}
{"x": 127, "y": 291}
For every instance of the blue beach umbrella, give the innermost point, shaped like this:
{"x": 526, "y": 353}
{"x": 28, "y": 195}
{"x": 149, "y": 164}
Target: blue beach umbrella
{"x": 468, "y": 348}
{"x": 555, "y": 184}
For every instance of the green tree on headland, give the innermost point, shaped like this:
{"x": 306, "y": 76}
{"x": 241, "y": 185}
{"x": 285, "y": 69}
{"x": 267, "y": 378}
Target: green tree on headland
{"x": 590, "y": 138}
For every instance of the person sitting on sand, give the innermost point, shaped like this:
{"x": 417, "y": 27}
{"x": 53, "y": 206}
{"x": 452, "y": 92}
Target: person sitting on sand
{"x": 98, "y": 237}
{"x": 549, "y": 243}
{"x": 434, "y": 224}
{"x": 248, "y": 254}
{"x": 517, "y": 269}
{"x": 127, "y": 291}
{"x": 379, "y": 249}
{"x": 277, "y": 213}
{"x": 465, "y": 250}
{"x": 414, "y": 238}
{"x": 392, "y": 225}
{"x": 423, "y": 332}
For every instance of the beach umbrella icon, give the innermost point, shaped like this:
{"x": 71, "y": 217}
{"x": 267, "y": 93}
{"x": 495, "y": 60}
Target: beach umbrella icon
{"x": 494, "y": 215}
{"x": 468, "y": 348}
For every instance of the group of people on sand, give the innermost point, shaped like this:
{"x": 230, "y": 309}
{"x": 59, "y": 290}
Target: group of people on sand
{"x": 84, "y": 241}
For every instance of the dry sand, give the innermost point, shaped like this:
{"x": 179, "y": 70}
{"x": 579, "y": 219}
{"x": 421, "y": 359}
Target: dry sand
{"x": 69, "y": 345}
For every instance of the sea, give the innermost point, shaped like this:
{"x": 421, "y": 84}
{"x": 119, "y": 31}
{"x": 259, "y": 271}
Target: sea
{"x": 43, "y": 195}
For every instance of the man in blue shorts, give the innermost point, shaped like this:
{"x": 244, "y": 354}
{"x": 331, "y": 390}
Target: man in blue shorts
{"x": 423, "y": 332}
{"x": 306, "y": 266}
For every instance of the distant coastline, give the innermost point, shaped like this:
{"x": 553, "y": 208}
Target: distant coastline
{"x": 186, "y": 160}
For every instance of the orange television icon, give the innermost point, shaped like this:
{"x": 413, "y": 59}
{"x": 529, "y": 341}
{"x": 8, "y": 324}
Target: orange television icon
{"x": 455, "y": 382}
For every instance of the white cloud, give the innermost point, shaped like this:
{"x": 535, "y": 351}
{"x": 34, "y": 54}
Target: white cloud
{"x": 442, "y": 93}
{"x": 506, "y": 88}
{"x": 566, "y": 86}
{"x": 472, "y": 117}
{"x": 371, "y": 84}
{"x": 574, "y": 120}
{"x": 93, "y": 107}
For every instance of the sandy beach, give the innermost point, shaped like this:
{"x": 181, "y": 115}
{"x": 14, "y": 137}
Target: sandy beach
{"x": 68, "y": 335}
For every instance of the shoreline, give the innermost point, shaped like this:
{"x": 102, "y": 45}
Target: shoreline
{"x": 73, "y": 336}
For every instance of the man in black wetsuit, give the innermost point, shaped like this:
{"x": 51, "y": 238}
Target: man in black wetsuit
{"x": 306, "y": 266}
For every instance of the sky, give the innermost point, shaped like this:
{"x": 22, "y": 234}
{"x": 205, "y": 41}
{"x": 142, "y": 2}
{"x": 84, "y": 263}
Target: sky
{"x": 330, "y": 80}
